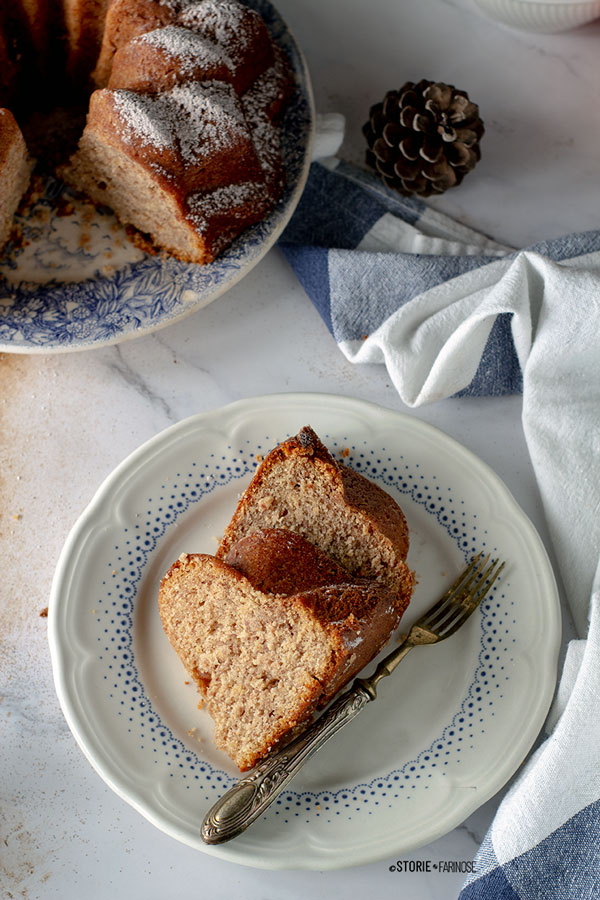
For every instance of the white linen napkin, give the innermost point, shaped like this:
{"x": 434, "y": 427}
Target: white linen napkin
{"x": 450, "y": 311}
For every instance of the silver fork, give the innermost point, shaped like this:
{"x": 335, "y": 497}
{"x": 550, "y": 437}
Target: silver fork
{"x": 249, "y": 798}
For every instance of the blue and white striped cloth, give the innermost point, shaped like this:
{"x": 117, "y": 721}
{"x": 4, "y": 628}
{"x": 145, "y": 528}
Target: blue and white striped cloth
{"x": 449, "y": 311}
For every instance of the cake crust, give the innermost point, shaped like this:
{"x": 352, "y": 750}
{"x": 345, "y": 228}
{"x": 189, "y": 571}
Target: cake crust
{"x": 300, "y": 487}
{"x": 15, "y": 171}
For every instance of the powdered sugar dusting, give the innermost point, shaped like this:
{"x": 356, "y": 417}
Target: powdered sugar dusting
{"x": 207, "y": 117}
{"x": 228, "y": 197}
{"x": 142, "y": 118}
{"x": 261, "y": 93}
{"x": 265, "y": 134}
{"x": 227, "y": 22}
{"x": 266, "y": 140}
{"x": 174, "y": 5}
{"x": 235, "y": 200}
{"x": 191, "y": 50}
{"x": 200, "y": 118}
{"x": 270, "y": 89}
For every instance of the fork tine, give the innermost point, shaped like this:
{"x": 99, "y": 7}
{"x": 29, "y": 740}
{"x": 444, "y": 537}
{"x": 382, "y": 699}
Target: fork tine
{"x": 471, "y": 586}
{"x": 479, "y": 573}
{"x": 468, "y": 603}
{"x": 489, "y": 578}
{"x": 465, "y": 574}
{"x": 445, "y": 598}
{"x": 453, "y": 609}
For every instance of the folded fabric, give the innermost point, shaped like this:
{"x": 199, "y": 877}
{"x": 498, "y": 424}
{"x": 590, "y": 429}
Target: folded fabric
{"x": 450, "y": 311}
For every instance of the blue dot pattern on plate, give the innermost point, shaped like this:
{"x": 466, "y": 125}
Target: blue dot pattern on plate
{"x": 126, "y": 688}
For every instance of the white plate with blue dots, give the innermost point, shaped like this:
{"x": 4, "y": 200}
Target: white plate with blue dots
{"x": 448, "y": 729}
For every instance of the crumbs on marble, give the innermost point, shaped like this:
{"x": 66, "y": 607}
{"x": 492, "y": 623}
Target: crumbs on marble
{"x": 44, "y": 613}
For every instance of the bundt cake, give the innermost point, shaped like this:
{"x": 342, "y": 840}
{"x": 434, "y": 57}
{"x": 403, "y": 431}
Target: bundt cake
{"x": 308, "y": 584}
{"x": 182, "y": 132}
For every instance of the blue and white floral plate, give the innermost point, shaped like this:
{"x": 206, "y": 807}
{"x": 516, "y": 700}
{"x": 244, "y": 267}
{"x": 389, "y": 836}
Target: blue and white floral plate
{"x": 448, "y": 729}
{"x": 75, "y": 281}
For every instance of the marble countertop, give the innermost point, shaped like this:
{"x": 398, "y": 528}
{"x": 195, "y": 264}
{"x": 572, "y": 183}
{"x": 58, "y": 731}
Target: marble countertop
{"x": 67, "y": 420}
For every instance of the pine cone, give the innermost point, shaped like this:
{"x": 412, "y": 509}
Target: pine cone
{"x": 424, "y": 138}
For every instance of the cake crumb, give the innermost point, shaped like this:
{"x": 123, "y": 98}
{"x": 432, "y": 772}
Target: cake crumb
{"x": 141, "y": 240}
{"x": 44, "y": 613}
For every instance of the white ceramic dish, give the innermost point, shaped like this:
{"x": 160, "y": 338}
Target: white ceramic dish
{"x": 76, "y": 282}
{"x": 543, "y": 16}
{"x": 451, "y": 726}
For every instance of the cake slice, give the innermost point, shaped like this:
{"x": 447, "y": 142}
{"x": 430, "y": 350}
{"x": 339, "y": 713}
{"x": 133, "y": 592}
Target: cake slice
{"x": 301, "y": 488}
{"x": 174, "y": 165}
{"x": 271, "y": 634}
{"x": 15, "y": 171}
{"x": 195, "y": 134}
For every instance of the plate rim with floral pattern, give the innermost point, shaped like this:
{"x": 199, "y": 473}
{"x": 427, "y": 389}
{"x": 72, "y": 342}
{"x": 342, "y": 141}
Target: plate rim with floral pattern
{"x": 84, "y": 311}
{"x": 439, "y": 754}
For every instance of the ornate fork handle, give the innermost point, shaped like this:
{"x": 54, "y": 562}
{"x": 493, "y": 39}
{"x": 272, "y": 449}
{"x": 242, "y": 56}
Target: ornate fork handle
{"x": 250, "y": 797}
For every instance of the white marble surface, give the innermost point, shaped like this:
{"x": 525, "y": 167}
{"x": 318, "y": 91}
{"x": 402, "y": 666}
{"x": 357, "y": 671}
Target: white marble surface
{"x": 67, "y": 420}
